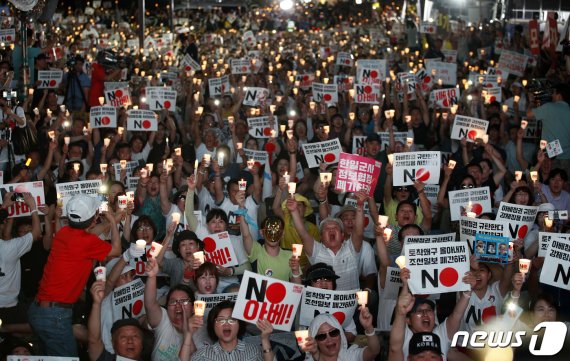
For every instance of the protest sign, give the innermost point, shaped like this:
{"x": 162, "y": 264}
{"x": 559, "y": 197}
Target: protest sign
{"x": 67, "y": 190}
{"x": 322, "y": 152}
{"x": 491, "y": 249}
{"x": 131, "y": 183}
{"x": 428, "y": 28}
{"x": 398, "y": 137}
{"x": 263, "y": 127}
{"x": 468, "y": 127}
{"x": 40, "y": 358}
{"x": 438, "y": 267}
{"x": 431, "y": 191}
{"x": 356, "y": 173}
{"x": 470, "y": 227}
{"x": 212, "y": 300}
{"x": 445, "y": 98}
{"x": 49, "y": 79}
{"x": 492, "y": 94}
{"x": 7, "y": 35}
{"x": 554, "y": 148}
{"x": 358, "y": 144}
{"x": 343, "y": 82}
{"x": 370, "y": 71}
{"x": 512, "y": 62}
{"x": 128, "y": 300}
{"x": 340, "y": 304}
{"x": 424, "y": 81}
{"x": 20, "y": 209}
{"x": 259, "y": 156}
{"x": 477, "y": 200}
{"x": 219, "y": 86}
{"x": 367, "y": 93}
{"x": 533, "y": 128}
{"x": 159, "y": 98}
{"x": 416, "y": 166}
{"x": 556, "y": 268}
{"x": 325, "y": 92}
{"x": 428, "y": 239}
{"x": 520, "y": 219}
{"x": 130, "y": 167}
{"x": 118, "y": 97}
{"x": 255, "y": 96}
{"x": 218, "y": 249}
{"x": 142, "y": 120}
{"x": 240, "y": 66}
{"x": 189, "y": 64}
{"x": 305, "y": 80}
{"x": 545, "y": 238}
{"x": 249, "y": 38}
{"x": 393, "y": 284}
{"x": 450, "y": 55}
{"x": 266, "y": 298}
{"x": 103, "y": 117}
{"x": 447, "y": 72}
{"x": 344, "y": 59}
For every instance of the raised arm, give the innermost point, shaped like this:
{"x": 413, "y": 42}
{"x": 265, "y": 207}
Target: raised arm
{"x": 298, "y": 222}
{"x": 244, "y": 227}
{"x": 96, "y": 346}
{"x": 383, "y": 255}
{"x": 425, "y": 204}
{"x": 153, "y": 310}
{"x": 358, "y": 230}
{"x": 164, "y": 193}
{"x": 397, "y": 333}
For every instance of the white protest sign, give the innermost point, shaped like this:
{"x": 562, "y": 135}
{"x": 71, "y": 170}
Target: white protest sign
{"x": 118, "y": 97}
{"x": 213, "y": 299}
{"x": 556, "y": 268}
{"x": 370, "y": 71}
{"x": 240, "y": 66}
{"x": 67, "y": 190}
{"x": 393, "y": 284}
{"x": 159, "y": 98}
{"x": 512, "y": 62}
{"x": 445, "y": 98}
{"x": 103, "y": 117}
{"x": 20, "y": 209}
{"x": 49, "y": 79}
{"x": 325, "y": 92}
{"x": 131, "y": 182}
{"x": 259, "y": 156}
{"x": 450, "y": 55}
{"x": 428, "y": 28}
{"x": 429, "y": 239}
{"x": 468, "y": 127}
{"x": 142, "y": 120}
{"x": 447, "y": 72}
{"x": 128, "y": 300}
{"x": 367, "y": 93}
{"x": 7, "y": 35}
{"x": 262, "y": 297}
{"x": 189, "y": 64}
{"x": 533, "y": 128}
{"x": 470, "y": 227}
{"x": 519, "y": 218}
{"x": 343, "y": 82}
{"x": 256, "y": 96}
{"x": 411, "y": 166}
{"x": 322, "y": 152}
{"x": 344, "y": 59}
{"x": 431, "y": 191}
{"x": 219, "y": 86}
{"x": 545, "y": 238}
{"x": 262, "y": 127}
{"x": 478, "y": 200}
{"x": 358, "y": 144}
{"x": 340, "y": 304}
{"x": 492, "y": 94}
{"x": 438, "y": 267}
{"x": 305, "y": 80}
{"x": 554, "y": 148}
{"x": 130, "y": 167}
{"x": 424, "y": 81}
{"x": 249, "y": 38}
{"x": 218, "y": 249}
{"x": 398, "y": 137}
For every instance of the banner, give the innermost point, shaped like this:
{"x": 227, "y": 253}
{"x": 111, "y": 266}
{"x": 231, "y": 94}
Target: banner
{"x": 437, "y": 268}
{"x": 67, "y": 190}
{"x": 491, "y": 249}
{"x": 219, "y": 86}
{"x": 20, "y": 209}
{"x": 356, "y": 173}
{"x": 240, "y": 66}
{"x": 398, "y": 137}
{"x": 393, "y": 284}
{"x": 556, "y": 268}
{"x": 450, "y": 55}
{"x": 424, "y": 81}
{"x": 103, "y": 117}
{"x": 8, "y": 35}
{"x": 477, "y": 200}
{"x": 520, "y": 219}
{"x": 130, "y": 167}
{"x": 343, "y": 82}
{"x": 259, "y": 156}
{"x": 429, "y": 239}
{"x": 305, "y": 80}
{"x": 159, "y": 98}
{"x": 545, "y": 238}
{"x": 260, "y": 127}
{"x": 411, "y": 166}
{"x": 256, "y": 97}
{"x": 492, "y": 94}
{"x": 445, "y": 98}
{"x": 344, "y": 59}
{"x": 533, "y": 128}
{"x": 470, "y": 227}
{"x": 340, "y": 304}
{"x": 249, "y": 38}
{"x": 128, "y": 300}
{"x": 468, "y": 127}
{"x": 367, "y": 93}
{"x": 325, "y": 92}
{"x": 141, "y": 120}
{"x": 118, "y": 97}
{"x": 218, "y": 249}
{"x": 189, "y": 64}
{"x": 428, "y": 28}
{"x": 370, "y": 71}
{"x": 447, "y": 72}
{"x": 49, "y": 79}
{"x": 322, "y": 152}
{"x": 512, "y": 62}
{"x": 261, "y": 297}
{"x": 212, "y": 300}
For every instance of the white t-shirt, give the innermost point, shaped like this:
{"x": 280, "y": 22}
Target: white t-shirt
{"x": 366, "y": 261}
{"x": 167, "y": 340}
{"x": 235, "y": 219}
{"x": 4, "y": 134}
{"x": 482, "y": 311}
{"x": 344, "y": 262}
{"x": 201, "y": 150}
{"x": 440, "y": 330}
{"x": 143, "y": 154}
{"x": 206, "y": 201}
{"x": 10, "y": 272}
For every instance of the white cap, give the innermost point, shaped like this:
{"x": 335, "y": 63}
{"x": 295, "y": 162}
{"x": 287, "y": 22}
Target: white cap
{"x": 109, "y": 266}
{"x": 81, "y": 208}
{"x": 545, "y": 207}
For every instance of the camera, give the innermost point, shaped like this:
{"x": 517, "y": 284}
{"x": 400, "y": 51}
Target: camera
{"x": 18, "y": 197}
{"x": 110, "y": 59}
{"x": 542, "y": 90}
{"x": 8, "y": 95}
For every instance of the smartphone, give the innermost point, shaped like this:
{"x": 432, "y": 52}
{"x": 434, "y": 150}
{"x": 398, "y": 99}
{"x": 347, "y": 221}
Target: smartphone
{"x": 18, "y": 197}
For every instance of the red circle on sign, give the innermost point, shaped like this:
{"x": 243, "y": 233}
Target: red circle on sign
{"x": 373, "y": 74}
{"x": 52, "y": 83}
{"x": 105, "y": 120}
{"x": 249, "y": 39}
{"x": 445, "y": 103}
{"x": 305, "y": 78}
{"x": 244, "y": 68}
{"x": 422, "y": 175}
{"x": 137, "y": 307}
{"x": 146, "y": 124}
{"x": 257, "y": 164}
{"x": 472, "y": 134}
{"x": 340, "y": 317}
{"x": 275, "y": 292}
{"x": 427, "y": 79}
{"x": 167, "y": 104}
{"x": 330, "y": 157}
{"x": 119, "y": 93}
{"x": 187, "y": 68}
{"x": 347, "y": 61}
{"x": 492, "y": 99}
{"x": 477, "y": 208}
{"x": 327, "y": 97}
{"x": 366, "y": 221}
{"x": 448, "y": 277}
{"x": 9, "y": 38}
{"x": 270, "y": 147}
{"x": 267, "y": 131}
{"x": 489, "y": 85}
{"x": 522, "y": 231}
{"x": 209, "y": 244}
{"x": 368, "y": 89}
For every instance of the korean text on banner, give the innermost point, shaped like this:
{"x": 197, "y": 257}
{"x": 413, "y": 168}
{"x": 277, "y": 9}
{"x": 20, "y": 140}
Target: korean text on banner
{"x": 468, "y": 127}
{"x": 325, "y": 92}
{"x": 263, "y": 127}
{"x": 445, "y": 98}
{"x": 49, "y": 79}
{"x": 117, "y": 97}
{"x": 267, "y": 298}
{"x": 545, "y": 238}
{"x": 470, "y": 227}
{"x": 20, "y": 209}
{"x": 519, "y": 218}
{"x": 159, "y": 98}
{"x": 258, "y": 156}
{"x": 356, "y": 173}
{"x": 512, "y": 62}
{"x": 429, "y": 239}
{"x": 128, "y": 300}
{"x": 323, "y": 152}
{"x": 103, "y": 117}
{"x": 68, "y": 190}
{"x": 141, "y": 120}
{"x": 218, "y": 249}
{"x": 416, "y": 166}
{"x": 340, "y": 304}
{"x": 556, "y": 269}
{"x": 212, "y": 300}
{"x": 477, "y": 200}
{"x": 129, "y": 169}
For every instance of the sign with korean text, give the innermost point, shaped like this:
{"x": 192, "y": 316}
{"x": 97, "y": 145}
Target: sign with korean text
{"x": 20, "y": 209}
{"x": 424, "y": 81}
{"x": 477, "y": 200}
{"x": 340, "y": 304}
{"x": 159, "y": 98}
{"x": 545, "y": 238}
{"x": 218, "y": 249}
{"x": 129, "y": 169}
{"x": 533, "y": 128}
{"x": 416, "y": 166}
{"x": 358, "y": 144}
{"x": 219, "y": 86}
{"x": 7, "y": 35}
{"x": 519, "y": 218}
{"x": 189, "y": 64}
{"x": 49, "y": 79}
{"x": 447, "y": 72}
{"x": 445, "y": 98}
{"x": 367, "y": 93}
{"x": 393, "y": 284}
{"x": 249, "y": 38}
{"x": 437, "y": 267}
{"x": 262, "y": 297}
{"x": 370, "y": 71}
{"x": 141, "y": 120}
{"x": 128, "y": 300}
{"x": 468, "y": 127}
{"x": 322, "y": 152}
{"x": 66, "y": 191}
{"x": 305, "y": 80}
{"x": 430, "y": 239}
{"x": 450, "y": 55}
{"x": 343, "y": 82}
{"x": 470, "y": 227}
{"x": 256, "y": 96}
{"x": 512, "y": 62}
{"x": 491, "y": 249}
{"x": 240, "y": 66}
{"x": 356, "y": 173}
{"x": 428, "y": 28}
{"x": 212, "y": 300}
{"x": 103, "y": 117}
{"x": 118, "y": 97}
{"x": 493, "y": 94}
{"x": 327, "y": 93}
{"x": 259, "y": 156}
{"x": 398, "y": 137}
{"x": 344, "y": 59}
{"x": 262, "y": 127}
{"x": 556, "y": 268}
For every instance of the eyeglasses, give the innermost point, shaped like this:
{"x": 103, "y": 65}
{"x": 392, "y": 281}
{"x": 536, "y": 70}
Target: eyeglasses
{"x": 332, "y": 334}
{"x": 402, "y": 189}
{"x": 467, "y": 186}
{"x": 229, "y": 321}
{"x": 143, "y": 228}
{"x": 424, "y": 312}
{"x": 181, "y": 302}
{"x": 321, "y": 280}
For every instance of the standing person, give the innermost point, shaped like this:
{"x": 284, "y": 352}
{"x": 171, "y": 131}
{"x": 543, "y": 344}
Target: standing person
{"x": 68, "y": 267}
{"x": 76, "y": 84}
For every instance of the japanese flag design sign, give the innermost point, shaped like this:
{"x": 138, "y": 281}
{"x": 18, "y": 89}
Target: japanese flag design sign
{"x": 450, "y": 55}
{"x": 493, "y": 94}
{"x": 118, "y": 97}
{"x": 468, "y": 127}
{"x": 159, "y": 98}
{"x": 262, "y": 127}
{"x": 128, "y": 300}
{"x": 7, "y": 35}
{"x": 545, "y": 238}
{"x": 344, "y": 59}
{"x": 259, "y": 156}
{"x": 556, "y": 268}
{"x": 428, "y": 28}
{"x": 218, "y": 249}
{"x": 266, "y": 298}
{"x": 416, "y": 166}
{"x": 470, "y": 227}
{"x": 20, "y": 209}
{"x": 367, "y": 93}
{"x": 437, "y": 267}
{"x": 340, "y": 304}
{"x": 370, "y": 71}
{"x": 219, "y": 86}
{"x": 322, "y": 152}
{"x": 476, "y": 200}
{"x": 189, "y": 64}
{"x": 255, "y": 97}
{"x": 67, "y": 190}
{"x": 327, "y": 93}
{"x": 141, "y": 120}
{"x": 356, "y": 173}
{"x": 49, "y": 79}
{"x": 512, "y": 62}
{"x": 343, "y": 82}
{"x": 103, "y": 117}
{"x": 424, "y": 81}
{"x": 213, "y": 299}
{"x": 398, "y": 137}
{"x": 248, "y": 38}
{"x": 240, "y": 66}
{"x": 447, "y": 72}
{"x": 519, "y": 218}
{"x": 445, "y": 98}
{"x": 305, "y": 80}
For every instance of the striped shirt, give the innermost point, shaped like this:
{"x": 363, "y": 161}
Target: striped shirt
{"x": 242, "y": 352}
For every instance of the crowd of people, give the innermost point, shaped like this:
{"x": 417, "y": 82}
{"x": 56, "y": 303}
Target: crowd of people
{"x": 70, "y": 252}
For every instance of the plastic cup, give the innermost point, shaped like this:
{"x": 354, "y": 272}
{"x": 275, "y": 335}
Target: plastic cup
{"x": 401, "y": 261}
{"x": 155, "y": 249}
{"x": 297, "y": 249}
{"x": 199, "y": 308}
{"x": 524, "y": 265}
{"x": 362, "y": 297}
{"x": 199, "y": 256}
{"x": 100, "y": 273}
{"x": 122, "y": 202}
{"x": 301, "y": 337}
{"x": 383, "y": 220}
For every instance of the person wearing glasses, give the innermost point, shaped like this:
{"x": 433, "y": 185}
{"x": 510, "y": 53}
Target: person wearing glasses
{"x": 327, "y": 342}
{"x": 226, "y": 332}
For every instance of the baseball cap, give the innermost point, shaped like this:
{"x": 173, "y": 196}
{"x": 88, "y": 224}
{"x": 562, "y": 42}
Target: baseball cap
{"x": 320, "y": 270}
{"x": 126, "y": 322}
{"x": 345, "y": 209}
{"x": 109, "y": 266}
{"x": 545, "y": 207}
{"x": 373, "y": 138}
{"x": 420, "y": 301}
{"x": 424, "y": 341}
{"x": 81, "y": 208}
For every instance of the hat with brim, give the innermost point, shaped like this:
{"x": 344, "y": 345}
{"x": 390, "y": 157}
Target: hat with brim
{"x": 126, "y": 269}
{"x": 322, "y": 272}
{"x": 345, "y": 209}
{"x": 126, "y": 322}
{"x": 81, "y": 208}
{"x": 424, "y": 341}
{"x": 299, "y": 198}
